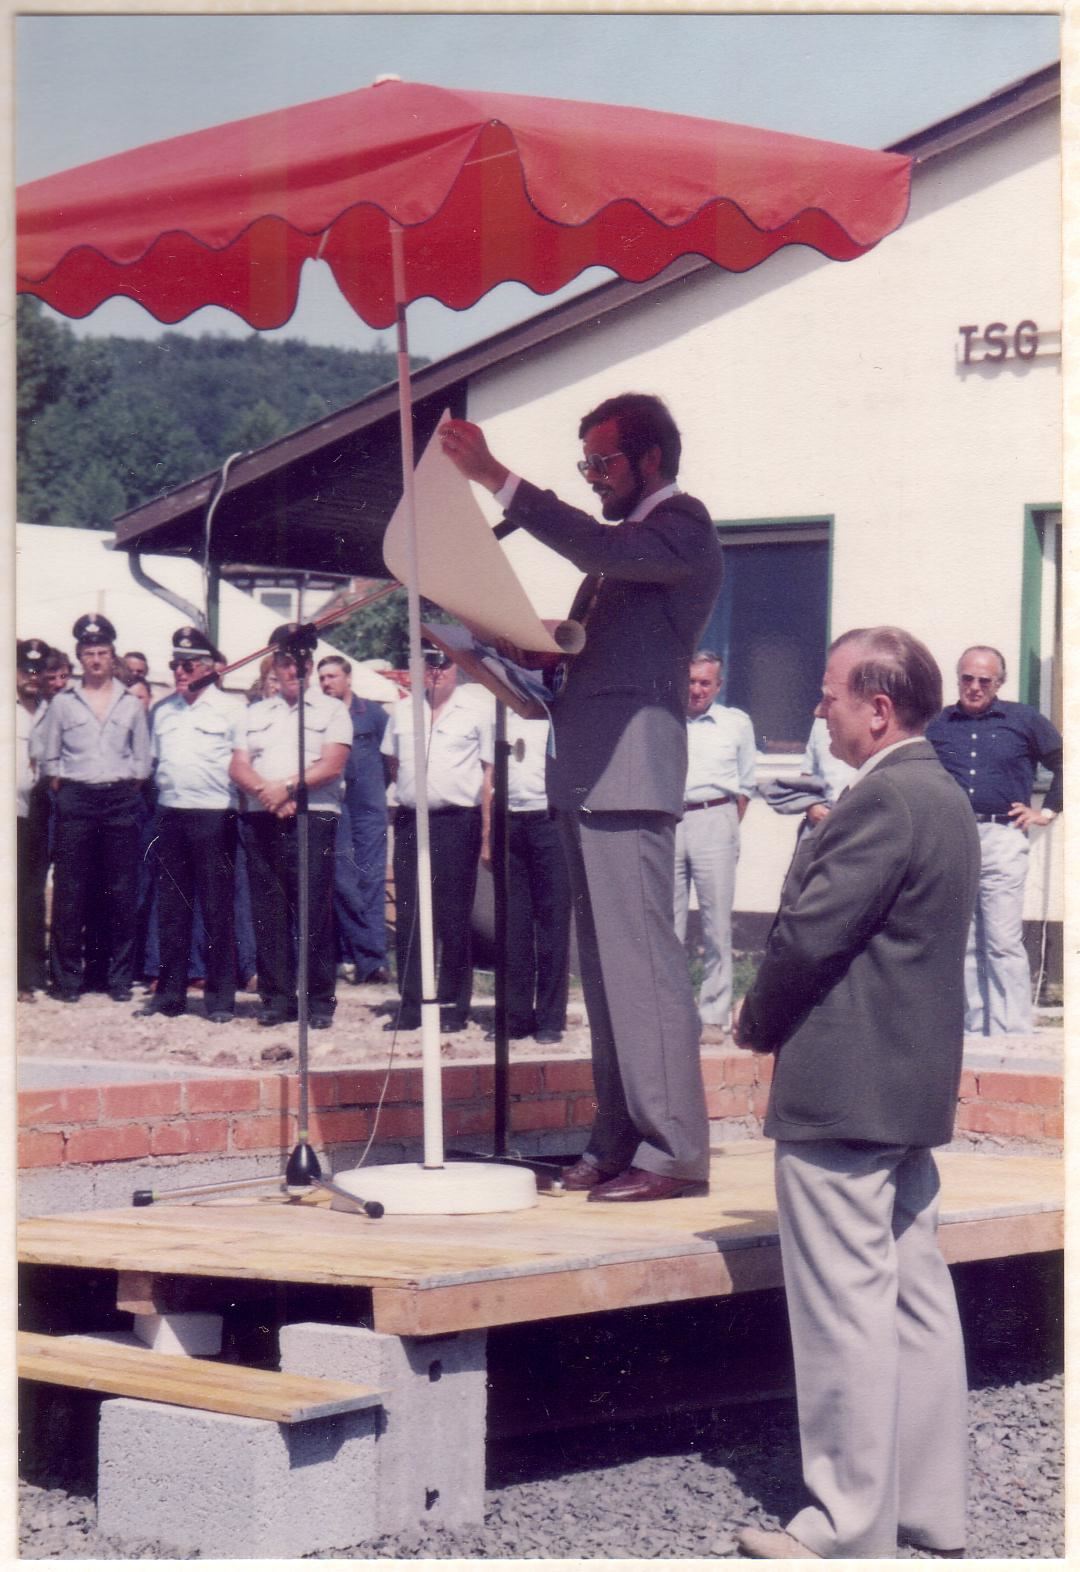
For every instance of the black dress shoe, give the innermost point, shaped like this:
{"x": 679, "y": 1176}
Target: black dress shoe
{"x": 120, "y": 995}
{"x": 65, "y": 995}
{"x": 379, "y": 975}
{"x": 272, "y": 1016}
{"x": 638, "y": 1184}
{"x": 547, "y": 1035}
{"x": 453, "y": 1022}
{"x": 154, "y": 1008}
{"x": 404, "y": 1023}
{"x": 320, "y": 1021}
{"x": 220, "y": 1017}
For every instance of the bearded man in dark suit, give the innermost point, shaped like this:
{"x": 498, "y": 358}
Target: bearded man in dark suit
{"x": 615, "y": 780}
{"x": 861, "y": 998}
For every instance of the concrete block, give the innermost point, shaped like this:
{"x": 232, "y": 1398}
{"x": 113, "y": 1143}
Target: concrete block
{"x": 180, "y": 1332}
{"x": 215, "y": 1485}
{"x": 430, "y": 1446}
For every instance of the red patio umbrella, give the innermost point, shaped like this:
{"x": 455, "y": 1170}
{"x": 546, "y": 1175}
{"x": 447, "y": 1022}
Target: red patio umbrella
{"x": 407, "y": 191}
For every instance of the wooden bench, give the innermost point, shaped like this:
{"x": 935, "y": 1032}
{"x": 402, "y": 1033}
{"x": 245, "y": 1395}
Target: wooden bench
{"x": 92, "y": 1364}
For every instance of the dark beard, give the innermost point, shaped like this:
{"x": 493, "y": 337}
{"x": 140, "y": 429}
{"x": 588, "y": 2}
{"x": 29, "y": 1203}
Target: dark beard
{"x": 622, "y": 507}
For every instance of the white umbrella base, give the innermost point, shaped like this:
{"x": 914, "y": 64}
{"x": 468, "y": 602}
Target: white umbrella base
{"x": 406, "y": 1189}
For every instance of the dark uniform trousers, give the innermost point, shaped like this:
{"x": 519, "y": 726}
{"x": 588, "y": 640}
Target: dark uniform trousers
{"x": 96, "y": 861}
{"x": 32, "y": 866}
{"x": 537, "y": 925}
{"x": 455, "y": 835}
{"x": 273, "y": 866}
{"x": 196, "y": 859}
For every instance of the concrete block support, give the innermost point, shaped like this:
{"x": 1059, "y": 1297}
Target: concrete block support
{"x": 219, "y": 1486}
{"x": 431, "y": 1441}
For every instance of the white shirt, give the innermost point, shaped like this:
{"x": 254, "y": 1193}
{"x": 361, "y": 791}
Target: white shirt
{"x": 268, "y": 733}
{"x": 77, "y": 745}
{"x": 820, "y": 760}
{"x": 460, "y": 744}
{"x": 26, "y": 764}
{"x": 192, "y": 745}
{"x": 526, "y": 791}
{"x": 722, "y": 752}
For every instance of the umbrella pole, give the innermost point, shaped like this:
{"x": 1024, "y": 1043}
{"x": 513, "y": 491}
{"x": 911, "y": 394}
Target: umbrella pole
{"x": 429, "y": 1008}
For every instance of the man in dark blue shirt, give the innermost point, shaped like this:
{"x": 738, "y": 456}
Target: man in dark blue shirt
{"x": 992, "y": 747}
{"x": 360, "y": 865}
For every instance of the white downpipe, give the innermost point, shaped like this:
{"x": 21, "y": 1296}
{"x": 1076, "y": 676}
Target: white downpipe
{"x": 429, "y": 1009}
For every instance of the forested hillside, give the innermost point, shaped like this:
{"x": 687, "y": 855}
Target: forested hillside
{"x": 104, "y": 424}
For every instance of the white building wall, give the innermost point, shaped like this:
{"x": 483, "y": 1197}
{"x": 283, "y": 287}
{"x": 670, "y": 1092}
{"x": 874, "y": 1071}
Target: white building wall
{"x": 808, "y": 387}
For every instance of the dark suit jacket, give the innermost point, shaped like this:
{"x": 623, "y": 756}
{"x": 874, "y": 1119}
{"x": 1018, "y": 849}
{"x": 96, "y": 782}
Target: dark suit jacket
{"x": 861, "y": 992}
{"x": 620, "y": 721}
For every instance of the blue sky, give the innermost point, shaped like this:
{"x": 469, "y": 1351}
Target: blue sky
{"x": 87, "y": 86}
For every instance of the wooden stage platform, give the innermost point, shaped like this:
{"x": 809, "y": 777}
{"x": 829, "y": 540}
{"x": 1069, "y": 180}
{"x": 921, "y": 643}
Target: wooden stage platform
{"x": 566, "y": 1256}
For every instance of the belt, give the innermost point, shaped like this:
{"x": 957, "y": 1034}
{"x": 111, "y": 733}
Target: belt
{"x": 995, "y": 818}
{"x": 710, "y": 802}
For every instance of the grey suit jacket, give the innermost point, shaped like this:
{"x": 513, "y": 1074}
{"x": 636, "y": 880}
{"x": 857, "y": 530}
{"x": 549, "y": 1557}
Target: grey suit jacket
{"x": 861, "y": 991}
{"x": 620, "y": 721}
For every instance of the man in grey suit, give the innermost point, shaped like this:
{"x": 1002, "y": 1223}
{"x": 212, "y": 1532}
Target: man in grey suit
{"x": 615, "y": 779}
{"x": 861, "y": 997}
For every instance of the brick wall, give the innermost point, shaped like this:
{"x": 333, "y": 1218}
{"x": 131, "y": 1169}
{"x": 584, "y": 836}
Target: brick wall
{"x": 255, "y": 1114}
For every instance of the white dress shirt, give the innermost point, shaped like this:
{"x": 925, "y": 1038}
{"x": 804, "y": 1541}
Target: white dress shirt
{"x": 193, "y": 746}
{"x": 526, "y": 790}
{"x": 268, "y": 732}
{"x": 460, "y": 744}
{"x": 722, "y": 752}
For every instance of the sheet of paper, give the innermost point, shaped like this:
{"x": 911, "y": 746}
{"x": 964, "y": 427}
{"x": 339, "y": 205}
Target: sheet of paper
{"x": 462, "y": 567}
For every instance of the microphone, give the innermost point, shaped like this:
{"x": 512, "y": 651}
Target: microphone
{"x": 505, "y": 528}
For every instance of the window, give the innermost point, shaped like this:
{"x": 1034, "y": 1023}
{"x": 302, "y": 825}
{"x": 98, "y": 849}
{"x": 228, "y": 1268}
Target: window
{"x": 279, "y": 601}
{"x": 1040, "y": 613}
{"x": 771, "y": 625}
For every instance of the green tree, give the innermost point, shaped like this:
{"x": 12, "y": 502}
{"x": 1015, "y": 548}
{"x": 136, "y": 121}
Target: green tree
{"x": 381, "y": 631}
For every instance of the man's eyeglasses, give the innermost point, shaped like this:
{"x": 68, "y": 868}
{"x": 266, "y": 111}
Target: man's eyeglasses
{"x": 184, "y": 665}
{"x": 979, "y": 682}
{"x": 437, "y": 661}
{"x": 598, "y": 463}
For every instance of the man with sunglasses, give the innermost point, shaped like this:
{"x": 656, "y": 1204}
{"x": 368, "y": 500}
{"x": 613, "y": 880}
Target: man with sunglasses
{"x": 193, "y": 734}
{"x": 616, "y": 778}
{"x": 95, "y": 751}
{"x": 992, "y": 747}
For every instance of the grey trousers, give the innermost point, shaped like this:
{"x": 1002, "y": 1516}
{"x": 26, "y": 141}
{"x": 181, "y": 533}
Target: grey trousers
{"x": 706, "y": 855}
{"x": 879, "y": 1354}
{"x": 997, "y": 976}
{"x": 642, "y": 1019}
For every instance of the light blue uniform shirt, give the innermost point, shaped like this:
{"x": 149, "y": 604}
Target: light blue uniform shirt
{"x": 76, "y": 746}
{"x": 193, "y": 746}
{"x": 721, "y": 754}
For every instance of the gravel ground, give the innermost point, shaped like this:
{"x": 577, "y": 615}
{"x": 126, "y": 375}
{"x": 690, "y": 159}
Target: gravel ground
{"x": 672, "y": 1489}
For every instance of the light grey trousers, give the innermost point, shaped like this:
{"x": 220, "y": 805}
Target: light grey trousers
{"x": 879, "y": 1354}
{"x": 997, "y": 976}
{"x": 706, "y": 855}
{"x": 643, "y": 1023}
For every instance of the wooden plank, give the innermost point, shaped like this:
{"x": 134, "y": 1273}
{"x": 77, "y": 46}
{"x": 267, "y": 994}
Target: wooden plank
{"x": 986, "y": 1238}
{"x": 97, "y": 1366}
{"x": 138, "y": 1293}
{"x": 500, "y": 1302}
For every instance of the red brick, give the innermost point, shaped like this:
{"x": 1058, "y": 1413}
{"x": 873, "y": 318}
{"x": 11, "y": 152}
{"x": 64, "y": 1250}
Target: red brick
{"x": 264, "y": 1132}
{"x": 485, "y": 1080}
{"x": 281, "y": 1092}
{"x": 41, "y": 1149}
{"x": 526, "y": 1080}
{"x": 147, "y": 1100}
{"x": 403, "y": 1086}
{"x": 322, "y": 1089}
{"x": 465, "y": 1119}
{"x": 568, "y": 1075}
{"x": 358, "y": 1088}
{"x": 582, "y": 1112}
{"x": 222, "y": 1096}
{"x": 350, "y": 1124}
{"x": 399, "y": 1122}
{"x": 969, "y": 1086}
{"x": 1054, "y": 1125}
{"x": 107, "y": 1143}
{"x": 994, "y": 1119}
{"x": 459, "y": 1083}
{"x": 548, "y": 1113}
{"x": 1043, "y": 1091}
{"x": 60, "y": 1105}
{"x": 727, "y": 1102}
{"x": 760, "y": 1101}
{"x": 188, "y": 1135}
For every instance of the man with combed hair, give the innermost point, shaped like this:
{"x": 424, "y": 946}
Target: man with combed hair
{"x": 616, "y": 777}
{"x": 861, "y": 998}
{"x": 992, "y": 748}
